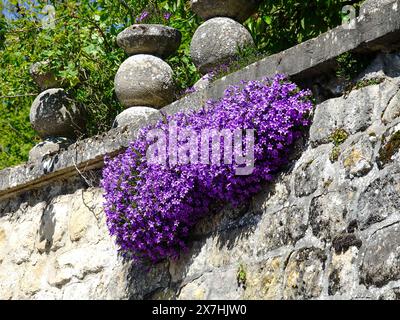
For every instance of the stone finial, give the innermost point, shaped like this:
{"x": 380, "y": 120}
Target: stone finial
{"x": 239, "y": 10}
{"x": 216, "y": 42}
{"x": 154, "y": 39}
{"x": 135, "y": 115}
{"x": 144, "y": 80}
{"x": 53, "y": 114}
{"x": 45, "y": 80}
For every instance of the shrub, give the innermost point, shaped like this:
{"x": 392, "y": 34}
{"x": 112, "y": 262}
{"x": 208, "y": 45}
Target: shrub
{"x": 151, "y": 208}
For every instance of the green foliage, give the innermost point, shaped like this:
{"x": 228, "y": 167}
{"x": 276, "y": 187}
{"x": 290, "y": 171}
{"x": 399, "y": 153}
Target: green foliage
{"x": 334, "y": 155}
{"x": 368, "y": 82}
{"x": 338, "y": 137}
{"x": 82, "y": 52}
{"x": 281, "y": 24}
{"x": 350, "y": 65}
{"x": 241, "y": 276}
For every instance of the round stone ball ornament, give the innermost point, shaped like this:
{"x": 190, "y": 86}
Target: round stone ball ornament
{"x": 217, "y": 41}
{"x": 53, "y": 114}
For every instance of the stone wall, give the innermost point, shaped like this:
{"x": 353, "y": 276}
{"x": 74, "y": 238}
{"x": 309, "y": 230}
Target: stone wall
{"x": 327, "y": 227}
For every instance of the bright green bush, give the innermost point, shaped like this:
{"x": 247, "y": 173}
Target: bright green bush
{"x": 83, "y": 53}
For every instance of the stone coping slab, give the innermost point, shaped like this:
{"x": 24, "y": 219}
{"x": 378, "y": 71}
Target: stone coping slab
{"x": 377, "y": 31}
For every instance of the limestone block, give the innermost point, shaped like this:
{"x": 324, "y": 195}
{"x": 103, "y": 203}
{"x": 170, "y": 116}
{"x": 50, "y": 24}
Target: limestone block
{"x": 381, "y": 263}
{"x": 380, "y": 199}
{"x": 264, "y": 281}
{"x": 353, "y": 113}
{"x": 343, "y": 273}
{"x": 304, "y": 274}
{"x": 357, "y": 159}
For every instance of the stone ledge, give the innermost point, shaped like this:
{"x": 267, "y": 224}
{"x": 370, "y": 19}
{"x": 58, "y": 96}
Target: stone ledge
{"x": 377, "y": 31}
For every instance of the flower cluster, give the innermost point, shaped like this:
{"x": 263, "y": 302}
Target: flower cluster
{"x": 151, "y": 208}
{"x": 153, "y": 16}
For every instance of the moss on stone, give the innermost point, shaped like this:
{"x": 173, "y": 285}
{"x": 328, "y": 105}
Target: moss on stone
{"x": 338, "y": 137}
{"x": 367, "y": 82}
{"x": 389, "y": 149}
{"x": 335, "y": 153}
{"x": 241, "y": 276}
{"x": 353, "y": 158}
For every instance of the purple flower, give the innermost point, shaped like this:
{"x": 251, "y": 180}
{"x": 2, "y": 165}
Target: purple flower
{"x": 167, "y": 15}
{"x": 151, "y": 208}
{"x": 143, "y": 16}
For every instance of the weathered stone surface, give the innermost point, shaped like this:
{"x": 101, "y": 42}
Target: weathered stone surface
{"x": 239, "y": 10}
{"x": 53, "y": 114}
{"x": 369, "y": 6}
{"x": 43, "y": 257}
{"x": 203, "y": 82}
{"x": 45, "y": 80}
{"x": 48, "y": 147}
{"x": 134, "y": 115}
{"x": 284, "y": 227}
{"x": 328, "y": 215}
{"x": 264, "y": 280}
{"x": 335, "y": 114}
{"x": 208, "y": 287}
{"x": 380, "y": 199}
{"x": 390, "y": 147}
{"x": 144, "y": 80}
{"x": 393, "y": 109}
{"x": 304, "y": 273}
{"x": 357, "y": 158}
{"x": 154, "y": 39}
{"x": 343, "y": 273}
{"x": 216, "y": 42}
{"x": 309, "y": 170}
{"x": 381, "y": 263}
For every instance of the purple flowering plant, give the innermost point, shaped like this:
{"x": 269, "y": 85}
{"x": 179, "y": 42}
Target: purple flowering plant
{"x": 153, "y": 14}
{"x": 151, "y": 208}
